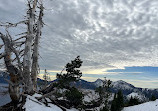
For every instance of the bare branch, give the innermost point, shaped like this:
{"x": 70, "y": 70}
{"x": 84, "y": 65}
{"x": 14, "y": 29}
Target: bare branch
{"x": 18, "y": 59}
{"x": 8, "y": 24}
{"x": 46, "y": 95}
{"x": 2, "y": 55}
{"x": 1, "y": 46}
{"x": 20, "y": 44}
{"x": 21, "y": 54}
{"x": 21, "y": 34}
{"x": 8, "y": 35}
{"x": 19, "y": 38}
{"x": 2, "y": 36}
{"x": 21, "y": 51}
{"x": 9, "y": 45}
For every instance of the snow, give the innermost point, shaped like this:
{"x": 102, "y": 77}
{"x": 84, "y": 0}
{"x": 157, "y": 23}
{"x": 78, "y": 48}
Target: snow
{"x": 90, "y": 95}
{"x": 30, "y": 105}
{"x": 73, "y": 109}
{"x": 133, "y": 94}
{"x": 148, "y": 106}
{"x": 122, "y": 85}
{"x": 139, "y": 96}
{"x": 98, "y": 82}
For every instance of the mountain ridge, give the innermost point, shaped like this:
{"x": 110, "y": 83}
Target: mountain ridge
{"x": 126, "y": 87}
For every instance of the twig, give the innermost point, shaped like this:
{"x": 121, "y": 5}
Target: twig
{"x": 35, "y": 101}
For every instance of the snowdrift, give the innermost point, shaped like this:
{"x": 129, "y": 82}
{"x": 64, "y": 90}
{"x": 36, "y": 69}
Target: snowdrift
{"x": 148, "y": 106}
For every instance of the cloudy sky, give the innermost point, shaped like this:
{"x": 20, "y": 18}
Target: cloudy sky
{"x": 117, "y": 39}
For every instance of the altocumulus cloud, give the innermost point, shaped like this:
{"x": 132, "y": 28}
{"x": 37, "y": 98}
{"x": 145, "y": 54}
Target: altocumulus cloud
{"x": 107, "y": 34}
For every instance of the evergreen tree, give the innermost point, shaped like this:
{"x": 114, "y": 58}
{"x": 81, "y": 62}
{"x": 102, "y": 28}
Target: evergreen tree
{"x": 113, "y": 104}
{"x": 46, "y": 77}
{"x": 118, "y": 102}
{"x": 74, "y": 96}
{"x": 133, "y": 101}
{"x": 72, "y": 72}
{"x": 153, "y": 98}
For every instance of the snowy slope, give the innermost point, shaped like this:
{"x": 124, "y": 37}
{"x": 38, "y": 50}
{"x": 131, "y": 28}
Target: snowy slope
{"x": 98, "y": 83}
{"x": 139, "y": 96}
{"x": 122, "y": 85}
{"x": 133, "y": 94}
{"x": 148, "y": 106}
{"x": 90, "y": 95}
{"x": 32, "y": 104}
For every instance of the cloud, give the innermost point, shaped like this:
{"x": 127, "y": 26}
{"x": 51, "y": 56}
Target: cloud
{"x": 105, "y": 33}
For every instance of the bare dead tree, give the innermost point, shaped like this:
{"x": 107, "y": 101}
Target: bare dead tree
{"x": 20, "y": 55}
{"x": 34, "y": 70}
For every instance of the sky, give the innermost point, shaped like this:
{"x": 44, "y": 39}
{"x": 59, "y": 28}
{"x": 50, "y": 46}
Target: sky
{"x": 117, "y": 39}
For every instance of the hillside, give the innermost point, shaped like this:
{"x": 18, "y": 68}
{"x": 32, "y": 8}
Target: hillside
{"x": 33, "y": 105}
{"x": 138, "y": 96}
{"x": 126, "y": 88}
{"x": 148, "y": 106}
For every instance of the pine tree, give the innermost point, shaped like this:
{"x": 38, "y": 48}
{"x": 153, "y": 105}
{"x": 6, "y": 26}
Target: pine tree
{"x": 46, "y": 77}
{"x": 74, "y": 96}
{"x": 72, "y": 72}
{"x": 133, "y": 101}
{"x": 153, "y": 98}
{"x": 118, "y": 102}
{"x": 113, "y": 104}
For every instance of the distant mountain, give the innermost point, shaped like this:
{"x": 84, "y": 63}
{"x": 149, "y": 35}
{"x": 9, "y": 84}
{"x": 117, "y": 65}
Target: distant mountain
{"x": 118, "y": 85}
{"x": 84, "y": 84}
{"x": 129, "y": 88}
{"x": 126, "y": 88}
{"x": 98, "y": 82}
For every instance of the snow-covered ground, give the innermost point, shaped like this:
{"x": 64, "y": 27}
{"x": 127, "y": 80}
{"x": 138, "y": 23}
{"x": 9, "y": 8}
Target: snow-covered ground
{"x": 148, "y": 106}
{"x": 32, "y": 104}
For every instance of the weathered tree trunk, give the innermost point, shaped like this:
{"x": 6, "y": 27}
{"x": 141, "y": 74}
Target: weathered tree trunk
{"x": 34, "y": 71}
{"x": 25, "y": 68}
{"x": 28, "y": 49}
{"x": 14, "y": 90}
{"x": 12, "y": 70}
